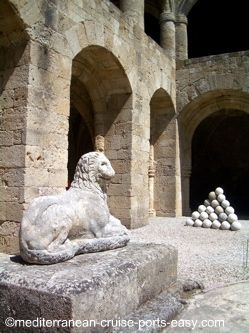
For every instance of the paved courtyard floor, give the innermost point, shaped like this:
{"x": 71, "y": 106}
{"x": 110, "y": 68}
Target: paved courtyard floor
{"x": 215, "y": 258}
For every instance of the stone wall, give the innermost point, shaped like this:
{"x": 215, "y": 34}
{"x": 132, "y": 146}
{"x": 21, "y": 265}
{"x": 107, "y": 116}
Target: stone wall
{"x": 195, "y": 77}
{"x": 14, "y": 78}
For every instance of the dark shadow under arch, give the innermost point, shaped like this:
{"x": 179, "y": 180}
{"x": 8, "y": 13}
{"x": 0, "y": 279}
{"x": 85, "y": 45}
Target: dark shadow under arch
{"x": 220, "y": 158}
{"x": 80, "y": 141}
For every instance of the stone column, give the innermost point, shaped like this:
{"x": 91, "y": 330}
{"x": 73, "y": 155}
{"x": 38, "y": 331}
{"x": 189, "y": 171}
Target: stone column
{"x": 134, "y": 11}
{"x": 167, "y": 32}
{"x": 186, "y": 173}
{"x": 181, "y": 37}
{"x": 178, "y": 196}
{"x": 151, "y": 174}
{"x": 100, "y": 143}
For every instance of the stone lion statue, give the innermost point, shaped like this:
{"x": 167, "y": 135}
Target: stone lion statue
{"x": 56, "y": 228}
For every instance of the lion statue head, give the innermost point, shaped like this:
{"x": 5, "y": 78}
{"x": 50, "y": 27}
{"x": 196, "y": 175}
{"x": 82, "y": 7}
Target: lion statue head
{"x": 92, "y": 171}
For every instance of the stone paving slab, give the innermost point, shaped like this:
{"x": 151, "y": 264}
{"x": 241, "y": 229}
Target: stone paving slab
{"x": 229, "y": 304}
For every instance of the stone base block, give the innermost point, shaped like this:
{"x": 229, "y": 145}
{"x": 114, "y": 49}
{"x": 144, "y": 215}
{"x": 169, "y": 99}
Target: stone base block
{"x": 100, "y": 286}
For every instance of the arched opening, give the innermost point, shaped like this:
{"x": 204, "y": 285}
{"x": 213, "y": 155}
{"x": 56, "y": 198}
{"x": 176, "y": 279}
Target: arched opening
{"x": 162, "y": 155}
{"x": 216, "y": 27}
{"x": 101, "y": 94}
{"x": 216, "y": 103}
{"x": 152, "y": 12}
{"x": 219, "y": 158}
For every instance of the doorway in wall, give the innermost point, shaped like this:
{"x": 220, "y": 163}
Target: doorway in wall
{"x": 220, "y": 158}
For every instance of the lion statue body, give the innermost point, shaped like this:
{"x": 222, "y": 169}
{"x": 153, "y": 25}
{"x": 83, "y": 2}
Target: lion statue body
{"x": 56, "y": 228}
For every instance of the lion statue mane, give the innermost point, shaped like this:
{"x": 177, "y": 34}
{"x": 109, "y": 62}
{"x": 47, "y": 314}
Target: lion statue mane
{"x": 56, "y": 228}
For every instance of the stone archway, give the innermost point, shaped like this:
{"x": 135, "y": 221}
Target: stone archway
{"x": 163, "y": 139}
{"x": 219, "y": 158}
{"x": 101, "y": 92}
{"x": 221, "y": 103}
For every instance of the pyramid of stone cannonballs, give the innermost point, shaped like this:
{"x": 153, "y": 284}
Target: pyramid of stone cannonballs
{"x": 216, "y": 213}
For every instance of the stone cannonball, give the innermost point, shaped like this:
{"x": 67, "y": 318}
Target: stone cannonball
{"x": 203, "y": 216}
{"x": 218, "y": 210}
{"x": 207, "y": 203}
{"x": 197, "y": 223}
{"x": 206, "y": 223}
{"x": 213, "y": 217}
{"x": 222, "y": 217}
{"x": 201, "y": 208}
{"x": 225, "y": 204}
{"x": 216, "y": 224}
{"x": 215, "y": 203}
{"x": 209, "y": 210}
{"x": 212, "y": 196}
{"x": 219, "y": 190}
{"x": 195, "y": 215}
{"x": 232, "y": 218}
{"x": 235, "y": 226}
{"x": 221, "y": 197}
{"x": 189, "y": 222}
{"x": 229, "y": 210}
{"x": 225, "y": 225}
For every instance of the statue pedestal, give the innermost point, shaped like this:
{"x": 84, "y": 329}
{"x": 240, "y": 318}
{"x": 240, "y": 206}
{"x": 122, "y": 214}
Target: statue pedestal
{"x": 98, "y": 286}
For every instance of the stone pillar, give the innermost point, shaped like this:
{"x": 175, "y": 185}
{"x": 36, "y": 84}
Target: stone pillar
{"x": 14, "y": 92}
{"x": 134, "y": 11}
{"x": 186, "y": 173}
{"x": 178, "y": 197}
{"x": 181, "y": 37}
{"x": 151, "y": 173}
{"x": 167, "y": 32}
{"x": 47, "y": 122}
{"x": 100, "y": 143}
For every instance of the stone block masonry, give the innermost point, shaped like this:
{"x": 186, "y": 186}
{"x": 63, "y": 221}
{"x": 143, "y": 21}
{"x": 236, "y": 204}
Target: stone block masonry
{"x": 100, "y": 286}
